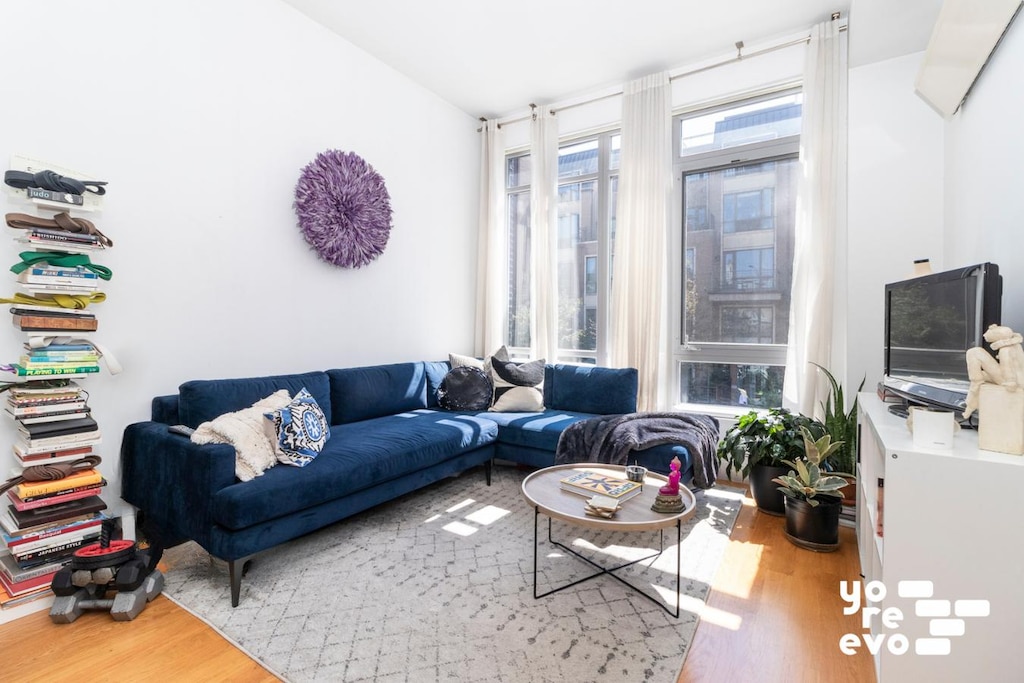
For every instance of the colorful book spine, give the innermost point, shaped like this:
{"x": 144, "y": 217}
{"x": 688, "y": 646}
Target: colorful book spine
{"x": 46, "y": 408}
{"x": 22, "y": 371}
{"x": 62, "y": 537}
{"x": 19, "y": 588}
{"x": 33, "y": 448}
{"x": 78, "y": 272}
{"x": 60, "y": 550}
{"x": 69, "y": 357}
{"x": 10, "y": 569}
{"x": 65, "y": 485}
{"x": 35, "y": 457}
{"x": 53, "y": 322}
{"x": 35, "y": 502}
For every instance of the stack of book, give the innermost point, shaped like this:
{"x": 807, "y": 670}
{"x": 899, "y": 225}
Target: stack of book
{"x": 46, "y": 239}
{"x": 43, "y": 523}
{"x": 57, "y": 360}
{"x": 47, "y": 278}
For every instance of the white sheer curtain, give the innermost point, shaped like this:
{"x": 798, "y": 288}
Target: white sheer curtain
{"x": 544, "y": 236}
{"x": 820, "y": 218}
{"x": 491, "y": 298}
{"x": 638, "y": 320}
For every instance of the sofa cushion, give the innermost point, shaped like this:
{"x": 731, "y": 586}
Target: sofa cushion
{"x": 535, "y": 430}
{"x": 203, "y": 400}
{"x": 377, "y": 390}
{"x": 435, "y": 371}
{"x": 298, "y": 431}
{"x": 591, "y": 389}
{"x": 357, "y": 456}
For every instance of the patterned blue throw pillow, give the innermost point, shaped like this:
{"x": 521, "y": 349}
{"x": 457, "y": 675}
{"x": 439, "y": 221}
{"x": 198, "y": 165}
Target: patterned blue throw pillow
{"x": 298, "y": 431}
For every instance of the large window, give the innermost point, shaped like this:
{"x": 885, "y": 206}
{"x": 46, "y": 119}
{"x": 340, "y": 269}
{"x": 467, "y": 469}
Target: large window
{"x": 737, "y": 172}
{"x": 587, "y": 183}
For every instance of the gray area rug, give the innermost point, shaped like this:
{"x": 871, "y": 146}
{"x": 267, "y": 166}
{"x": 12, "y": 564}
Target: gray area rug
{"x": 438, "y": 586}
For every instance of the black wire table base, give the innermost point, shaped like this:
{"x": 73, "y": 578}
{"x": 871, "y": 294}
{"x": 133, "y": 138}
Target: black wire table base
{"x": 609, "y": 571}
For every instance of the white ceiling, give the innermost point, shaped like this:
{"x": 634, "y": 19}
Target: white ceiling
{"x": 493, "y": 58}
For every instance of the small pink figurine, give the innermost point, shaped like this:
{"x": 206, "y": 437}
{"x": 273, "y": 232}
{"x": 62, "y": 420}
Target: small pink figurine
{"x": 672, "y": 487}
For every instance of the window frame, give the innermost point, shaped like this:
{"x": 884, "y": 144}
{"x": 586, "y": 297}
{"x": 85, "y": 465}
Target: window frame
{"x": 603, "y": 179}
{"x": 684, "y": 350}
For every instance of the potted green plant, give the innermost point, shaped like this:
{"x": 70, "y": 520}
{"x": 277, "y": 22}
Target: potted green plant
{"x": 841, "y": 425}
{"x": 759, "y": 446}
{"x": 813, "y": 499}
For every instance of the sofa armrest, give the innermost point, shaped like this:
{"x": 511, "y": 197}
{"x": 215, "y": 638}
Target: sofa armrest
{"x": 173, "y": 481}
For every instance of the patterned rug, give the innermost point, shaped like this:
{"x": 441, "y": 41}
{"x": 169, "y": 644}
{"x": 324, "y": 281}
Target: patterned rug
{"x": 438, "y": 586}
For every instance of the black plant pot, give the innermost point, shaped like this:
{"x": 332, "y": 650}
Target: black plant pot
{"x": 815, "y": 527}
{"x": 766, "y": 492}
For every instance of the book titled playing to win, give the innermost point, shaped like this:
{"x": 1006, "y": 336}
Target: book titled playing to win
{"x": 587, "y": 483}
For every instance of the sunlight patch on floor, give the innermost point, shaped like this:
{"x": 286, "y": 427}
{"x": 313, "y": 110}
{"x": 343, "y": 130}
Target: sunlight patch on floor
{"x": 459, "y": 506}
{"x": 460, "y": 528}
{"x": 488, "y": 514}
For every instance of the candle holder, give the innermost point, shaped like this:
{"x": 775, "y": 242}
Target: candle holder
{"x": 636, "y": 473}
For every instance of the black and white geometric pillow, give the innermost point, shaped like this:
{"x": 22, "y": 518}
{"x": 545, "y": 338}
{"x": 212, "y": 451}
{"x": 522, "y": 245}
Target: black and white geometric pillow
{"x": 298, "y": 431}
{"x": 518, "y": 387}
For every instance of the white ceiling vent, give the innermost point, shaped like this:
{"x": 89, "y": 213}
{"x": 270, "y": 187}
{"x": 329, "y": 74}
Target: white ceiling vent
{"x": 964, "y": 36}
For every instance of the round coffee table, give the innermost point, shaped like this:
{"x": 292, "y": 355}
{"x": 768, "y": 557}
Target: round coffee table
{"x": 542, "y": 489}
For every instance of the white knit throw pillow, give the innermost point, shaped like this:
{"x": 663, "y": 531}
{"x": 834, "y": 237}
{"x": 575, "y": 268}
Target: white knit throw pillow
{"x": 254, "y": 454}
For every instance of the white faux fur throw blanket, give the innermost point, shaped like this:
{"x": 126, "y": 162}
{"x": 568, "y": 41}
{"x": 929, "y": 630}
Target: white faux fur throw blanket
{"x": 254, "y": 454}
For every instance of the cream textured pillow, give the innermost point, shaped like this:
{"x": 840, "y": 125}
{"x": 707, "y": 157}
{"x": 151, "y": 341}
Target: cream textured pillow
{"x": 254, "y": 454}
{"x": 457, "y": 361}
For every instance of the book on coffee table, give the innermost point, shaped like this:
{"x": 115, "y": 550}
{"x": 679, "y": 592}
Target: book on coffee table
{"x": 589, "y": 484}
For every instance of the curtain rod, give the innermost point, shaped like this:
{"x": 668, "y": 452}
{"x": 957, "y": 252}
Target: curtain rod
{"x": 739, "y": 57}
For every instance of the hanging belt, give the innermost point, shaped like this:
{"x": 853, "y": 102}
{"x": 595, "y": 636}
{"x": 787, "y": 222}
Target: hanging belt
{"x": 77, "y": 301}
{"x": 48, "y": 180}
{"x": 62, "y": 221}
{"x": 60, "y": 259}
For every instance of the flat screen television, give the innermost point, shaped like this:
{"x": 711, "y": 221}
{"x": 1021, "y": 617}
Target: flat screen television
{"x": 930, "y": 322}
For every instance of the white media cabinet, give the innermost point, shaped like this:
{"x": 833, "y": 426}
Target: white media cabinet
{"x": 954, "y": 518}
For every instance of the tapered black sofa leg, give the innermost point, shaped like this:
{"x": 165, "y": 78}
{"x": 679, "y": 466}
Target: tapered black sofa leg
{"x": 487, "y": 470}
{"x": 237, "y": 569}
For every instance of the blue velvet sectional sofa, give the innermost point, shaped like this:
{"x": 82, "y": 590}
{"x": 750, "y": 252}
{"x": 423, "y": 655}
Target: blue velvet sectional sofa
{"x": 388, "y": 437}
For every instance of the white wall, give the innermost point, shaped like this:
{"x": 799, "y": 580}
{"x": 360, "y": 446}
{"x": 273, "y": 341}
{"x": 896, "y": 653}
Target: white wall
{"x": 984, "y": 192}
{"x": 201, "y": 116}
{"x": 578, "y": 115}
{"x": 895, "y": 200}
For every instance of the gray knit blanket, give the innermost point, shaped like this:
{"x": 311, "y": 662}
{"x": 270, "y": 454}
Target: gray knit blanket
{"x": 611, "y": 438}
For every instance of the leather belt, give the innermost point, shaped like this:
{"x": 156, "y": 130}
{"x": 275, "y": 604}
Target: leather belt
{"x": 52, "y": 472}
{"x": 56, "y": 299}
{"x": 48, "y": 180}
{"x": 62, "y": 221}
{"x": 60, "y": 259}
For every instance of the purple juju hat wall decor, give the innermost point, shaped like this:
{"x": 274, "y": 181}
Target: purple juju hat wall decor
{"x": 344, "y": 208}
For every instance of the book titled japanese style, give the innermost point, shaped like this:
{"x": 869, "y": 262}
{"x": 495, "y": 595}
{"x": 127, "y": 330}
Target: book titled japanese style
{"x": 586, "y": 483}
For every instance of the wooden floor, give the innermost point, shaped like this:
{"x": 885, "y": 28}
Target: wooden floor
{"x": 774, "y": 614}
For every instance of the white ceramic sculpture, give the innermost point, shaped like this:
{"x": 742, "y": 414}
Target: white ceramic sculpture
{"x": 1005, "y": 370}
